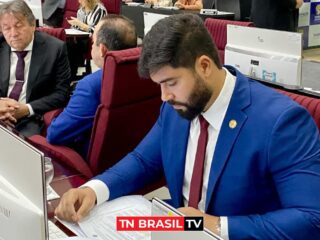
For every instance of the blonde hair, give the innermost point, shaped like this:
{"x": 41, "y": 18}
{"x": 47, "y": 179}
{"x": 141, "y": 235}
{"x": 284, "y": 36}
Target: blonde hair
{"x": 91, "y": 4}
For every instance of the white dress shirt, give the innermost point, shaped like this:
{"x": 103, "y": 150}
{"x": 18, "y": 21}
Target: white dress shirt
{"x": 12, "y": 80}
{"x": 214, "y": 116}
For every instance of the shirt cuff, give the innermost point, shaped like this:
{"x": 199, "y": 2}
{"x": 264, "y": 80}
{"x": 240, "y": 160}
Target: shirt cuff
{"x": 224, "y": 228}
{"x": 31, "y": 112}
{"x": 100, "y": 188}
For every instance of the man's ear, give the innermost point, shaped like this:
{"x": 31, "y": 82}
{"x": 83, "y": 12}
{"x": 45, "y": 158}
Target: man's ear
{"x": 203, "y": 65}
{"x": 103, "y": 50}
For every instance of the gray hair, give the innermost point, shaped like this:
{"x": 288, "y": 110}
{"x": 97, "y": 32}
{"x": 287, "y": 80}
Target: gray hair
{"x": 18, "y": 8}
{"x": 117, "y": 32}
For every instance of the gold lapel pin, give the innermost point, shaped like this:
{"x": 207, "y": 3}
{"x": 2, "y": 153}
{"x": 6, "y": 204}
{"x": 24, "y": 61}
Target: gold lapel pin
{"x": 232, "y": 123}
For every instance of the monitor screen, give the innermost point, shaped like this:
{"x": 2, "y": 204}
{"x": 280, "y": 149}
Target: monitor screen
{"x": 150, "y": 19}
{"x": 264, "y": 54}
{"x": 23, "y": 213}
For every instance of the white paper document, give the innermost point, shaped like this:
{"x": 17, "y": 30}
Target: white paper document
{"x": 75, "y": 32}
{"x": 52, "y": 194}
{"x": 101, "y": 223}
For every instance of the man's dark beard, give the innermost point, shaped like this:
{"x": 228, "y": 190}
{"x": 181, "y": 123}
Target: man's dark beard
{"x": 196, "y": 102}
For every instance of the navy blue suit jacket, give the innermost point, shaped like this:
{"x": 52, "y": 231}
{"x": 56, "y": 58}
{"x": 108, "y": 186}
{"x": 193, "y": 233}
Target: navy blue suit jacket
{"x": 73, "y": 126}
{"x": 265, "y": 173}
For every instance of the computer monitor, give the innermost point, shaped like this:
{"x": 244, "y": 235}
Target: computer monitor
{"x": 23, "y": 209}
{"x": 150, "y": 19}
{"x": 264, "y": 54}
{"x": 161, "y": 208}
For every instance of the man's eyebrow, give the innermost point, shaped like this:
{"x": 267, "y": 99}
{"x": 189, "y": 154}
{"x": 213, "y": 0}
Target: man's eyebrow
{"x": 167, "y": 79}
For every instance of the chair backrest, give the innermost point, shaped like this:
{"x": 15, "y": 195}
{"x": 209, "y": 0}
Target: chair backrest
{"x": 310, "y": 103}
{"x": 70, "y": 10}
{"x": 218, "y": 30}
{"x": 112, "y": 6}
{"x": 129, "y": 108}
{"x": 55, "y": 32}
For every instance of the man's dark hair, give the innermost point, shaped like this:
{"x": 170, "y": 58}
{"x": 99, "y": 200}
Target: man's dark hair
{"x": 117, "y": 32}
{"x": 18, "y": 8}
{"x": 176, "y": 41}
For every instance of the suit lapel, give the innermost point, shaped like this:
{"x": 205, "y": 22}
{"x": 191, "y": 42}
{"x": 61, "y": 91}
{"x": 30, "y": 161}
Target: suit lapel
{"x": 230, "y": 129}
{"x": 5, "y": 68}
{"x": 37, "y": 59}
{"x": 175, "y": 168}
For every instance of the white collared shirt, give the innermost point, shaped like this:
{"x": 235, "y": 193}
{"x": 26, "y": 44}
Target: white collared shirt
{"x": 12, "y": 79}
{"x": 214, "y": 116}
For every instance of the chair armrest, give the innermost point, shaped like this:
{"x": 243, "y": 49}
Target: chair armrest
{"x": 49, "y": 116}
{"x": 47, "y": 119}
{"x": 63, "y": 154}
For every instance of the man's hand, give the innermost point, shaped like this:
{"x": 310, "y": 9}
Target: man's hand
{"x": 299, "y": 3}
{"x": 8, "y": 106}
{"x": 210, "y": 222}
{"x": 20, "y": 110}
{"x": 7, "y": 111}
{"x": 76, "y": 204}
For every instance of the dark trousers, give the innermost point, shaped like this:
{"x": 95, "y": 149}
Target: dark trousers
{"x": 29, "y": 126}
{"x": 77, "y": 48}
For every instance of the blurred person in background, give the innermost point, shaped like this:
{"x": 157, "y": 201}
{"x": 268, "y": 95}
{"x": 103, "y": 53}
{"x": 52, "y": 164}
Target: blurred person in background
{"x": 52, "y": 11}
{"x": 89, "y": 14}
{"x": 189, "y": 4}
{"x": 278, "y": 15}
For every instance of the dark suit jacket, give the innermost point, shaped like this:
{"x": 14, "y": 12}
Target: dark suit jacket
{"x": 265, "y": 172}
{"x": 49, "y": 74}
{"x": 275, "y": 14}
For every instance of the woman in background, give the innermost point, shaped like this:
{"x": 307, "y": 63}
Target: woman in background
{"x": 89, "y": 14}
{"x": 189, "y": 4}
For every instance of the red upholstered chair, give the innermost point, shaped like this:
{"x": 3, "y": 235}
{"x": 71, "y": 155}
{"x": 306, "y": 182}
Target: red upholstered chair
{"x": 55, "y": 32}
{"x": 129, "y": 108}
{"x": 112, "y": 6}
{"x": 310, "y": 103}
{"x": 218, "y": 30}
{"x": 70, "y": 10}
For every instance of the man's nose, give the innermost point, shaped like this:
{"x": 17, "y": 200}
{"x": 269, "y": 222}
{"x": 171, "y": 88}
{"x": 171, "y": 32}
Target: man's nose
{"x": 166, "y": 95}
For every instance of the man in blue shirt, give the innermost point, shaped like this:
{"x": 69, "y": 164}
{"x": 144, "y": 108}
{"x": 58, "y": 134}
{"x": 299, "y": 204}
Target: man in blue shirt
{"x": 73, "y": 126}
